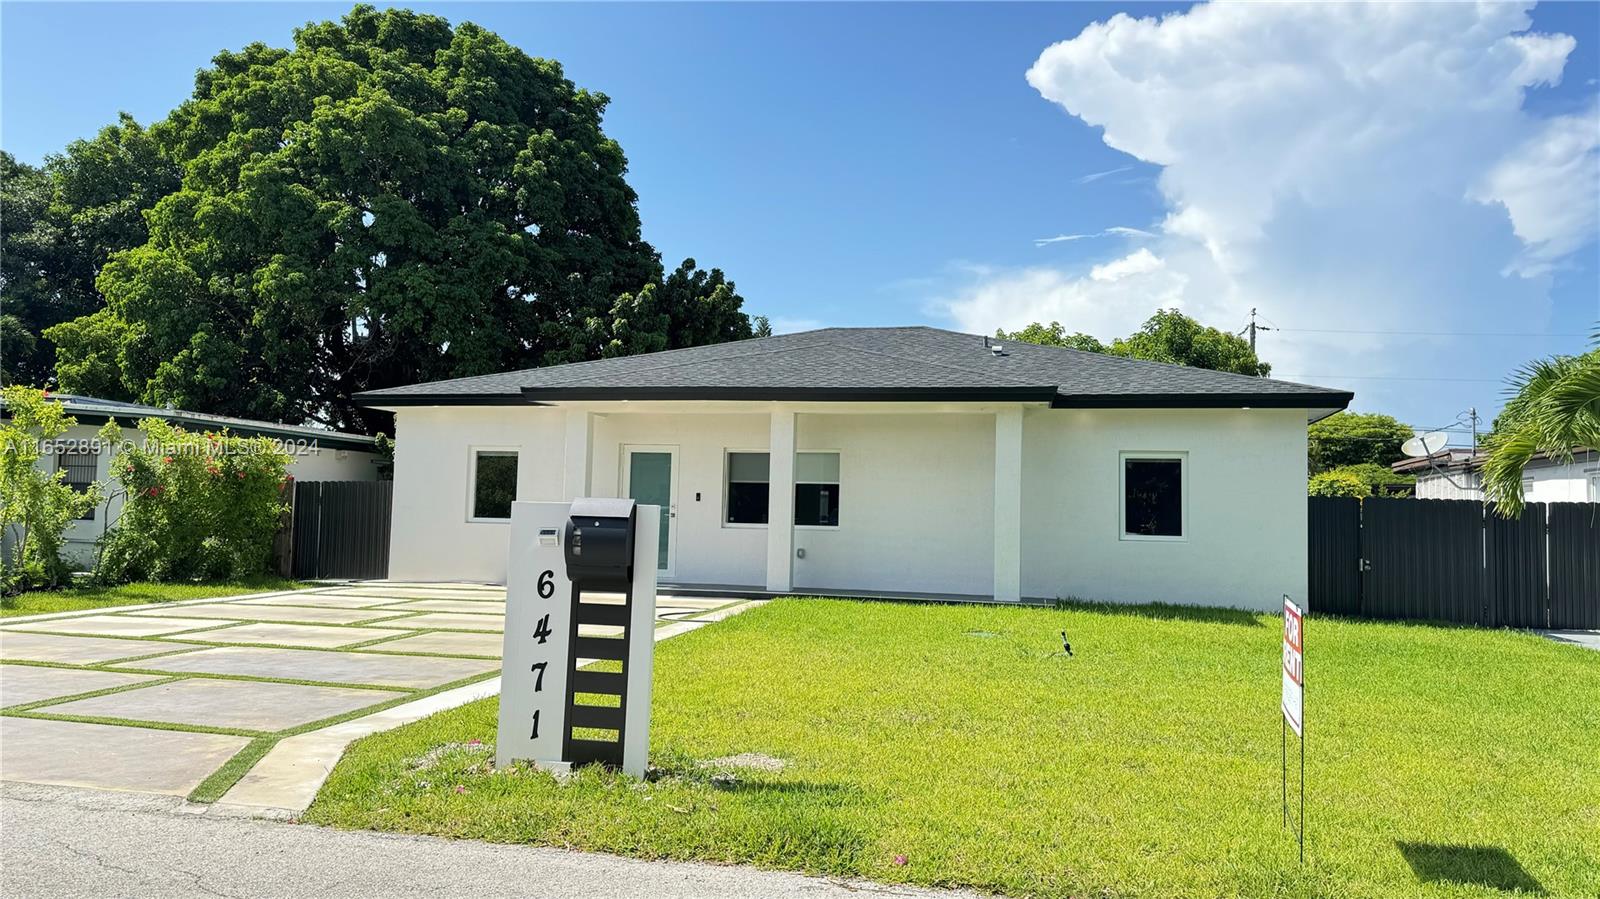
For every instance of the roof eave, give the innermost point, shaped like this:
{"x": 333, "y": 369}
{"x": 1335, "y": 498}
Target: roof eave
{"x": 798, "y": 394}
{"x": 1331, "y": 400}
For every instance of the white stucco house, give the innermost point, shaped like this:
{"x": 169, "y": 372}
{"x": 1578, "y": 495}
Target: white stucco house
{"x": 316, "y": 454}
{"x": 1454, "y": 473}
{"x": 879, "y": 461}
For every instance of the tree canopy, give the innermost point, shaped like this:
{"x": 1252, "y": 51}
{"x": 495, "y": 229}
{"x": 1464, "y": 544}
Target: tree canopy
{"x": 1167, "y": 336}
{"x": 63, "y": 220}
{"x": 1554, "y": 409}
{"x": 391, "y": 200}
{"x": 1355, "y": 438}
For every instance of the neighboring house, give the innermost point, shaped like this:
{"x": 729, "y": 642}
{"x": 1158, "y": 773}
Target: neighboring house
{"x": 881, "y": 461}
{"x": 1454, "y": 473}
{"x": 316, "y": 454}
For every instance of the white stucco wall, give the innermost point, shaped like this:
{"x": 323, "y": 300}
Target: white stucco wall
{"x": 917, "y": 490}
{"x": 1543, "y": 481}
{"x": 917, "y": 504}
{"x": 430, "y": 537}
{"x": 305, "y": 464}
{"x": 1245, "y": 531}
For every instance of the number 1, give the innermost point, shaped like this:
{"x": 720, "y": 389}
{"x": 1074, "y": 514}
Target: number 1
{"x": 535, "y": 734}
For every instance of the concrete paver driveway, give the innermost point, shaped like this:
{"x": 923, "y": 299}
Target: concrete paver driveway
{"x": 157, "y": 699}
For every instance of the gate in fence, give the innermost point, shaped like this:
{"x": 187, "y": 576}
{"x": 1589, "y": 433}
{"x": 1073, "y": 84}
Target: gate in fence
{"x": 1453, "y": 560}
{"x": 341, "y": 529}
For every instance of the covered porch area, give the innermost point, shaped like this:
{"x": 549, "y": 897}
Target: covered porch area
{"x": 894, "y": 500}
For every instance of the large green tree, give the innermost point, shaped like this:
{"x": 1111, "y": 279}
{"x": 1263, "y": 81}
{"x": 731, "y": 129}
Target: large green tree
{"x": 392, "y": 200}
{"x": 1355, "y": 438}
{"x": 1167, "y": 336}
{"x": 691, "y": 307}
{"x": 62, "y": 222}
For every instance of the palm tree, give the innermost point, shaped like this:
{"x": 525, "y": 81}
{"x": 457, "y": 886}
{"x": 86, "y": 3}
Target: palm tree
{"x": 1554, "y": 408}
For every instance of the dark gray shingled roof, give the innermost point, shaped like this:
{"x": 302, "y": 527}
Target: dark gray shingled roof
{"x": 862, "y": 364}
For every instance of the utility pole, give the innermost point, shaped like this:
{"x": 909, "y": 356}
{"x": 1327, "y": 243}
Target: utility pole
{"x": 1472, "y": 412}
{"x": 1253, "y": 328}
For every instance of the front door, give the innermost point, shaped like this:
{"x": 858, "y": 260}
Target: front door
{"x": 649, "y": 475}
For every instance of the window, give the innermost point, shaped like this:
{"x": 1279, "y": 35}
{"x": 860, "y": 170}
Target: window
{"x": 494, "y": 484}
{"x": 748, "y": 488}
{"x": 816, "y": 489}
{"x": 81, "y": 469}
{"x": 1152, "y": 497}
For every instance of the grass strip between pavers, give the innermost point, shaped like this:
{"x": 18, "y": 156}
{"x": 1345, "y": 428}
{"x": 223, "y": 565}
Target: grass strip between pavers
{"x": 220, "y": 781}
{"x": 87, "y": 694}
{"x": 140, "y": 723}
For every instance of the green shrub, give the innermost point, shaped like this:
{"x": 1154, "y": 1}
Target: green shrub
{"x": 1374, "y": 480}
{"x": 36, "y": 506}
{"x": 1338, "y": 483}
{"x": 195, "y": 505}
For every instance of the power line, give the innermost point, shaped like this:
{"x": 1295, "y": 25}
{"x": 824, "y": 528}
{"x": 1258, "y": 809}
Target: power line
{"x": 1430, "y": 333}
{"x": 1390, "y": 378}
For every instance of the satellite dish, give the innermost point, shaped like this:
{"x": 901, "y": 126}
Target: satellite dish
{"x": 1425, "y": 445}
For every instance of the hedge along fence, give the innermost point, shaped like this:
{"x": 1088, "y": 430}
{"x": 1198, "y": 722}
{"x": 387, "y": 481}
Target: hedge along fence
{"x": 195, "y": 505}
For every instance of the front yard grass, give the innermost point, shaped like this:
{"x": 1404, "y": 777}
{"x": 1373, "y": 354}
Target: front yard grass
{"x": 956, "y": 746}
{"x": 78, "y": 599}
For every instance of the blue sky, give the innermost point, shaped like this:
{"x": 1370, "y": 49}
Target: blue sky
{"x": 891, "y": 164}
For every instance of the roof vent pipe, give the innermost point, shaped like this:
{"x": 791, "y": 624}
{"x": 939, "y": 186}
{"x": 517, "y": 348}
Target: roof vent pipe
{"x": 997, "y": 350}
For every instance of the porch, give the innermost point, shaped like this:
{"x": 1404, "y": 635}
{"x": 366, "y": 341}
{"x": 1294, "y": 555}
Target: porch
{"x": 898, "y": 499}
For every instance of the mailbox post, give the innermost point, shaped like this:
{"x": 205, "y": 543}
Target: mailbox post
{"x": 568, "y": 563}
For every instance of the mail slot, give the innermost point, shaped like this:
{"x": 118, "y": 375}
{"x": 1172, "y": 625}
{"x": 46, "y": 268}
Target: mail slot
{"x": 599, "y": 544}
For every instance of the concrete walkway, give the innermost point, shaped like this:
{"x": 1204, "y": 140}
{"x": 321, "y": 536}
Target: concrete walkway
{"x": 1584, "y": 639}
{"x": 155, "y": 699}
{"x": 68, "y": 843}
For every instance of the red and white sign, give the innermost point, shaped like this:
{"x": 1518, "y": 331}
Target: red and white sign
{"x": 1294, "y": 682}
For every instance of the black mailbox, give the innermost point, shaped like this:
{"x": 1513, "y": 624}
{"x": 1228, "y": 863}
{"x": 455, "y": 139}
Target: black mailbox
{"x": 600, "y": 540}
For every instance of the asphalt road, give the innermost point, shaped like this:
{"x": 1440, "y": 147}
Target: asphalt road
{"x": 74, "y": 843}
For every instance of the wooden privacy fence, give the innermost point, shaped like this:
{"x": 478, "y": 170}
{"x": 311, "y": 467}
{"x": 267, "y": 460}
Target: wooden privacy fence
{"x": 339, "y": 529}
{"x": 1454, "y": 560}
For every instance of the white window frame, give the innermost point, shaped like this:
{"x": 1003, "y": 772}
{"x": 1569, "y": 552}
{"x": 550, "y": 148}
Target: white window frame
{"x": 472, "y": 480}
{"x": 727, "y": 469}
{"x": 795, "y": 503}
{"x": 1182, "y": 457}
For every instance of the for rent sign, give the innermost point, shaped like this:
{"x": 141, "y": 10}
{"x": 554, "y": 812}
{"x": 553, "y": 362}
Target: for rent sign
{"x": 1293, "y": 664}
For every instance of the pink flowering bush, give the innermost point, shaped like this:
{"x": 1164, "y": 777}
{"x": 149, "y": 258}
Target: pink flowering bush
{"x": 195, "y": 506}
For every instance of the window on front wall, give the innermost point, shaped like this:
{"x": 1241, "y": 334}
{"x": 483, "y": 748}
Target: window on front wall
{"x": 816, "y": 489}
{"x": 494, "y": 484}
{"x": 1152, "y": 496}
{"x": 748, "y": 488}
{"x": 80, "y": 469}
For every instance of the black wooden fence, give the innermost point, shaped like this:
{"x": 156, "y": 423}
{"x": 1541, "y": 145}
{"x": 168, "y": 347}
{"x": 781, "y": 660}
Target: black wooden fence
{"x": 1453, "y": 560}
{"x": 341, "y": 529}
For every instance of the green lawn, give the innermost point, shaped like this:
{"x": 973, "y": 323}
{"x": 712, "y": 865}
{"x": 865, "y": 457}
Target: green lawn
{"x": 77, "y": 599}
{"x": 959, "y": 738}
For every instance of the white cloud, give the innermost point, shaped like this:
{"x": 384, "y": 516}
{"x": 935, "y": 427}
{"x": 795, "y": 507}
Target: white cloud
{"x": 1113, "y": 301}
{"x": 782, "y": 325}
{"x": 1140, "y": 262}
{"x": 1113, "y": 231}
{"x": 1534, "y": 184}
{"x": 1060, "y": 238}
{"x": 1096, "y": 176}
{"x": 1334, "y": 164}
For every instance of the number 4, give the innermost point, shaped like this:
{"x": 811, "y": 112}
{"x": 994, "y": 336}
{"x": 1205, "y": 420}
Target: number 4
{"x": 542, "y": 632}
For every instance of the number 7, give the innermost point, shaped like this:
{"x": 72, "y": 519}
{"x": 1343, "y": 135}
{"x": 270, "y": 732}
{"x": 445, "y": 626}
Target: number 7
{"x": 538, "y": 684}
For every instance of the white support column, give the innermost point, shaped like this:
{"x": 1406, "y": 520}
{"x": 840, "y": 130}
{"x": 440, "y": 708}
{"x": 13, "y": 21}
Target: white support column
{"x": 780, "y": 503}
{"x": 576, "y": 468}
{"x": 1008, "y": 504}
